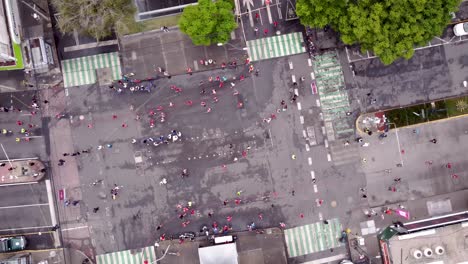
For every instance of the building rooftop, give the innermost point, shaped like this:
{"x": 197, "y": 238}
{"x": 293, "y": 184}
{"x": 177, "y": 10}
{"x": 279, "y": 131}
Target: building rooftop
{"x": 447, "y": 244}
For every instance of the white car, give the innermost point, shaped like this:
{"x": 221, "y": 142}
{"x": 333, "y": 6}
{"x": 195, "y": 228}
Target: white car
{"x": 461, "y": 29}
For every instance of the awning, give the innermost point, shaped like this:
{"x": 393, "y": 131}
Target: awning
{"x": 134, "y": 256}
{"x": 220, "y": 254}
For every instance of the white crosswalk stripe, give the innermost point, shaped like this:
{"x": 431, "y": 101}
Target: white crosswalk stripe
{"x": 128, "y": 257}
{"x": 82, "y": 71}
{"x": 276, "y": 46}
{"x": 344, "y": 154}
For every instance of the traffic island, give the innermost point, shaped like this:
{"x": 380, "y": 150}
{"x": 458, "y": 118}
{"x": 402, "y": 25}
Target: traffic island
{"x": 22, "y": 171}
{"x": 384, "y": 120}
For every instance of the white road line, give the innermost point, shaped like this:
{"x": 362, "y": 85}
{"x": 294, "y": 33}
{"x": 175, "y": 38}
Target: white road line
{"x": 304, "y": 133}
{"x": 307, "y": 147}
{"x": 321, "y": 116}
{"x": 24, "y": 228}
{"x": 301, "y": 118}
{"x": 66, "y": 92}
{"x": 270, "y": 19}
{"x": 296, "y": 92}
{"x": 317, "y": 102}
{"x": 312, "y": 76}
{"x": 53, "y": 216}
{"x": 195, "y": 65}
{"x": 326, "y": 143}
{"x": 21, "y": 206}
{"x": 315, "y": 188}
{"x": 299, "y": 107}
{"x": 291, "y": 66}
{"x": 310, "y": 160}
{"x": 74, "y": 228}
{"x": 14, "y": 184}
{"x": 323, "y": 130}
{"x": 309, "y": 61}
{"x": 312, "y": 174}
{"x": 320, "y": 216}
{"x": 328, "y": 157}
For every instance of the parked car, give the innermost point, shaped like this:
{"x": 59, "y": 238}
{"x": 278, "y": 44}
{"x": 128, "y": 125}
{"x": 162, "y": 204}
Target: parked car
{"x": 9, "y": 244}
{"x": 461, "y": 29}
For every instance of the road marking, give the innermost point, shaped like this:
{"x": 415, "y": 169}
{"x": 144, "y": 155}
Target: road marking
{"x": 21, "y": 206}
{"x": 309, "y": 61}
{"x": 299, "y": 107}
{"x": 320, "y": 216}
{"x": 326, "y": 143}
{"x": 321, "y": 116}
{"x": 310, "y": 160}
{"x": 195, "y": 65}
{"x": 24, "y": 228}
{"x": 315, "y": 188}
{"x": 304, "y": 133}
{"x": 323, "y": 130}
{"x": 317, "y": 102}
{"x": 307, "y": 147}
{"x": 296, "y": 92}
{"x": 328, "y": 157}
{"x": 66, "y": 92}
{"x": 312, "y": 175}
{"x": 301, "y": 118}
{"x": 14, "y": 184}
{"x": 312, "y": 76}
{"x": 291, "y": 66}
{"x": 74, "y": 228}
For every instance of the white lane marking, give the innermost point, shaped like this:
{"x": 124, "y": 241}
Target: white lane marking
{"x": 21, "y": 206}
{"x": 299, "y": 107}
{"x": 328, "y": 157}
{"x": 24, "y": 228}
{"x": 53, "y": 216}
{"x": 74, "y": 228}
{"x": 66, "y": 91}
{"x": 321, "y": 116}
{"x": 318, "y": 102}
{"x": 310, "y": 160}
{"x": 326, "y": 143}
{"x": 291, "y": 66}
{"x": 309, "y": 61}
{"x": 303, "y": 133}
{"x": 312, "y": 76}
{"x": 296, "y": 92}
{"x": 312, "y": 174}
{"x": 301, "y": 118}
{"x": 315, "y": 188}
{"x": 320, "y": 216}
{"x": 323, "y": 130}
{"x": 14, "y": 184}
{"x": 195, "y": 65}
{"x": 307, "y": 147}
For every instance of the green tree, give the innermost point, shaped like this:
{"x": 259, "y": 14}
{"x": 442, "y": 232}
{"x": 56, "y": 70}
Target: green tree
{"x": 208, "y": 22}
{"x": 97, "y": 18}
{"x": 392, "y": 28}
{"x": 319, "y": 13}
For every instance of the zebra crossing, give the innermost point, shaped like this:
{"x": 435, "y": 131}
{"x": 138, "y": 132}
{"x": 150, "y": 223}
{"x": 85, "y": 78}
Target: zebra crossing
{"x": 307, "y": 239}
{"x": 82, "y": 71}
{"x": 342, "y": 154}
{"x": 276, "y": 46}
{"x": 334, "y": 99}
{"x": 128, "y": 256}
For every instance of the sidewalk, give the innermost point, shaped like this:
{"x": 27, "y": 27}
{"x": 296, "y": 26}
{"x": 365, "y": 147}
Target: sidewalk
{"x": 65, "y": 178}
{"x": 21, "y": 171}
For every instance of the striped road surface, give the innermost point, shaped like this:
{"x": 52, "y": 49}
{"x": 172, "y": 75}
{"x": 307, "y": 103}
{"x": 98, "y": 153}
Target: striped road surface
{"x": 82, "y": 71}
{"x": 312, "y": 238}
{"x": 277, "y": 46}
{"x": 128, "y": 256}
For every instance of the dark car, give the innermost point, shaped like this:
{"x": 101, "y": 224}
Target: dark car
{"x": 9, "y": 244}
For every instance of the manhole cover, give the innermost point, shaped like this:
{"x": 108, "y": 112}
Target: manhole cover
{"x": 333, "y": 204}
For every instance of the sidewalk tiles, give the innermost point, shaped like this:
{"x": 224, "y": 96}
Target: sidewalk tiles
{"x": 128, "y": 256}
{"x": 312, "y": 238}
{"x": 276, "y": 46}
{"x": 82, "y": 71}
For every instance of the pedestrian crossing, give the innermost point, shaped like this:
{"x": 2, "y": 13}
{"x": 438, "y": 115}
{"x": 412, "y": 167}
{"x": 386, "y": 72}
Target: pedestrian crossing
{"x": 276, "y": 46}
{"x": 334, "y": 99}
{"x": 82, "y": 71}
{"x": 307, "y": 239}
{"x": 342, "y": 154}
{"x": 128, "y": 256}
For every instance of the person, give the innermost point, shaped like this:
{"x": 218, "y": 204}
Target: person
{"x": 434, "y": 140}
{"x": 95, "y": 209}
{"x": 275, "y": 24}
{"x": 256, "y": 30}
{"x": 265, "y": 31}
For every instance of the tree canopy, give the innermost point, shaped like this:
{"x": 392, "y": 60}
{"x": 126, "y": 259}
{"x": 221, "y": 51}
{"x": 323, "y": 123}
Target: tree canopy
{"x": 391, "y": 28}
{"x": 208, "y": 22}
{"x": 97, "y": 18}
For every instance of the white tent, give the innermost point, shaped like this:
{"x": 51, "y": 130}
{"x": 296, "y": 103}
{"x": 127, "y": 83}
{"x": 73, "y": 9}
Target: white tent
{"x": 219, "y": 254}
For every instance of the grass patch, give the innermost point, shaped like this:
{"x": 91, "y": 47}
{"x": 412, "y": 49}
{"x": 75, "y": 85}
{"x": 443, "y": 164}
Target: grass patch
{"x": 416, "y": 114}
{"x": 436, "y": 111}
{"x": 155, "y": 23}
{"x": 457, "y": 106}
{"x": 19, "y": 59}
{"x": 397, "y": 116}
